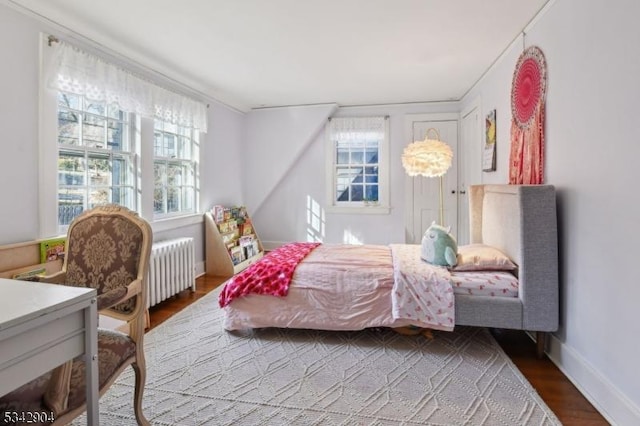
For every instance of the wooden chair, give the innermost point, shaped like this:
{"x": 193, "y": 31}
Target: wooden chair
{"x": 108, "y": 249}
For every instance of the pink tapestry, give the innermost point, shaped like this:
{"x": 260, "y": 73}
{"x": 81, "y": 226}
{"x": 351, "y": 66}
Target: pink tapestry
{"x": 528, "y": 90}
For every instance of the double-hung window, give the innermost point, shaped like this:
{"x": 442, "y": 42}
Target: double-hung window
{"x": 96, "y": 157}
{"x": 96, "y": 141}
{"x": 175, "y": 168}
{"x": 358, "y": 165}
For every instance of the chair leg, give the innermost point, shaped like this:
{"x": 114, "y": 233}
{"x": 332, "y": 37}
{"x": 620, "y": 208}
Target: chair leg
{"x": 140, "y": 370}
{"x": 541, "y": 339}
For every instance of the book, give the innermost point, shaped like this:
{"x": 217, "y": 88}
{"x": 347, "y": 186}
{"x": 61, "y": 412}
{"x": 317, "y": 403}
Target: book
{"x": 29, "y": 274}
{"x": 246, "y": 228}
{"x": 251, "y": 249}
{"x": 52, "y": 249}
{"x": 237, "y": 255}
{"x": 217, "y": 212}
{"x": 246, "y": 240}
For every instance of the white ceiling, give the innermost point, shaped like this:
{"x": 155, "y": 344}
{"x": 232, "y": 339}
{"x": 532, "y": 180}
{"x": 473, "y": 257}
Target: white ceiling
{"x": 266, "y": 53}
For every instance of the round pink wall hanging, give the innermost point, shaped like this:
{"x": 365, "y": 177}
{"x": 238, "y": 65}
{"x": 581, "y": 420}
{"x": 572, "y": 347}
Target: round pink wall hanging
{"x": 528, "y": 91}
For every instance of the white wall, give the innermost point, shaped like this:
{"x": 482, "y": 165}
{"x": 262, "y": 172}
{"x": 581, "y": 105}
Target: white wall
{"x": 18, "y": 127}
{"x": 221, "y": 153}
{"x": 279, "y": 208}
{"x": 592, "y": 150}
{"x": 19, "y": 48}
{"x": 274, "y": 139}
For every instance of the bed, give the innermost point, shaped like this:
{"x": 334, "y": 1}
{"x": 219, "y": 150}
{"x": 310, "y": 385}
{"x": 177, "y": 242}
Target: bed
{"x": 342, "y": 287}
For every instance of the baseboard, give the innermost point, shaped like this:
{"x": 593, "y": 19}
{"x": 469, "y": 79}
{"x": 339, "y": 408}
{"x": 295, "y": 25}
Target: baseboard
{"x": 614, "y": 406}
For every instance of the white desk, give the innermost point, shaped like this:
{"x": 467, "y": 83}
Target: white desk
{"x": 41, "y": 327}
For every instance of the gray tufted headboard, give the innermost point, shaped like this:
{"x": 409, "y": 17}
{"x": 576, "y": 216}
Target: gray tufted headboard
{"x": 521, "y": 221}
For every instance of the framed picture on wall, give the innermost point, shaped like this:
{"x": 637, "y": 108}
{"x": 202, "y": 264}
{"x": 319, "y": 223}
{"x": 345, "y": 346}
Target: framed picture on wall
{"x": 489, "y": 152}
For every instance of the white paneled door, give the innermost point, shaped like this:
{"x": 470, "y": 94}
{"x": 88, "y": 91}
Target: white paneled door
{"x": 423, "y": 193}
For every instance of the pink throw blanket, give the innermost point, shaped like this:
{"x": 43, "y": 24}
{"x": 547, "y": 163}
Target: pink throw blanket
{"x": 271, "y": 275}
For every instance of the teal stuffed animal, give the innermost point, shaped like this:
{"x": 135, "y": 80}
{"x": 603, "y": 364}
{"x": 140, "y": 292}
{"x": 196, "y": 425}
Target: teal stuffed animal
{"x": 439, "y": 247}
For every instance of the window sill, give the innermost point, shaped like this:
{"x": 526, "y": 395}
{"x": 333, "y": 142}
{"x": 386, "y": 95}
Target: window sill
{"x": 161, "y": 225}
{"x": 358, "y": 209}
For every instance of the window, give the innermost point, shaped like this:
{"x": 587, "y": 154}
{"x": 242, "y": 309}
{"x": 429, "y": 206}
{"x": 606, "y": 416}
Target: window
{"x": 175, "y": 166}
{"x": 97, "y": 142}
{"x": 357, "y": 164}
{"x": 96, "y": 158}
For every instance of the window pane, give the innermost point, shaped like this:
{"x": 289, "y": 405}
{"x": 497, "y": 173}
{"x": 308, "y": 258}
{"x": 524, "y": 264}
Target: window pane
{"x": 122, "y": 195}
{"x": 185, "y": 148}
{"x": 356, "y": 174}
{"x": 189, "y": 196}
{"x": 160, "y": 172}
{"x": 71, "y": 170}
{"x": 342, "y": 193}
{"x": 68, "y": 128}
{"x": 95, "y": 107}
{"x": 357, "y": 157}
{"x": 115, "y": 135}
{"x": 169, "y": 145}
{"x": 372, "y": 192}
{"x": 371, "y": 179}
{"x": 357, "y": 192}
{"x": 99, "y": 196}
{"x": 93, "y": 131}
{"x": 174, "y": 175}
{"x": 121, "y": 172}
{"x": 371, "y": 155}
{"x": 158, "y": 200}
{"x": 343, "y": 175}
{"x": 67, "y": 100}
{"x": 70, "y": 205}
{"x": 173, "y": 199}
{"x": 189, "y": 176}
{"x": 343, "y": 156}
{"x": 157, "y": 145}
{"x": 99, "y": 171}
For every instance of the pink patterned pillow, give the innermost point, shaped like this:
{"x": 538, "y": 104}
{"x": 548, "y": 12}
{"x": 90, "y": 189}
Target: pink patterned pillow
{"x": 481, "y": 257}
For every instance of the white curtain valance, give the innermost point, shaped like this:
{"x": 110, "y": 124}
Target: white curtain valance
{"x": 356, "y": 128}
{"x": 82, "y": 73}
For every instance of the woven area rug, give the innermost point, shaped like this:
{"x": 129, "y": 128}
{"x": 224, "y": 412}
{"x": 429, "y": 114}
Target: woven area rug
{"x": 199, "y": 374}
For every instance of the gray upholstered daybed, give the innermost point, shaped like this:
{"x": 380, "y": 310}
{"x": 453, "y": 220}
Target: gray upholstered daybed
{"x": 521, "y": 221}
{"x": 352, "y": 289}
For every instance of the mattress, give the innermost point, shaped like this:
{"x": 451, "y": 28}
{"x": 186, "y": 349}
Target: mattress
{"x": 483, "y": 283}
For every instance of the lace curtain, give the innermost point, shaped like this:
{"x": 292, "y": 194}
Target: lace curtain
{"x": 356, "y": 128}
{"x": 81, "y": 73}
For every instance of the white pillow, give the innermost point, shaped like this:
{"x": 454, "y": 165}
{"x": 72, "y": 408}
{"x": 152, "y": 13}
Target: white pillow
{"x": 481, "y": 257}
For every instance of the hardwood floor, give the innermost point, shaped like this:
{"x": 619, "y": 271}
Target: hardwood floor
{"x": 555, "y": 389}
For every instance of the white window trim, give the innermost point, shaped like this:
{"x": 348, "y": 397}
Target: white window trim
{"x": 48, "y": 152}
{"x": 383, "y": 206}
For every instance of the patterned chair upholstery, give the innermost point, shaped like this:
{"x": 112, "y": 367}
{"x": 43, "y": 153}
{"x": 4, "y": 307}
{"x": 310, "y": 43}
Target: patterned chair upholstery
{"x": 107, "y": 249}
